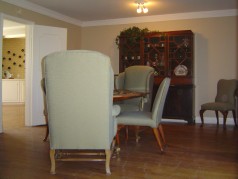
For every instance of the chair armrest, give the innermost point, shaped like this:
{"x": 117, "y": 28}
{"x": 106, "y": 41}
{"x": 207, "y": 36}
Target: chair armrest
{"x": 119, "y": 81}
{"x": 116, "y": 109}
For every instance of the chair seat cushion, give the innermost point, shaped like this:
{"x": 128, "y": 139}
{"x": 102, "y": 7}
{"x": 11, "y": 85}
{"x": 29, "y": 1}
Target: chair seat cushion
{"x": 138, "y": 118}
{"x": 129, "y": 107}
{"x": 217, "y": 106}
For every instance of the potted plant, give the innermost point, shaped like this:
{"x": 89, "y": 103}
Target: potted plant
{"x": 133, "y": 34}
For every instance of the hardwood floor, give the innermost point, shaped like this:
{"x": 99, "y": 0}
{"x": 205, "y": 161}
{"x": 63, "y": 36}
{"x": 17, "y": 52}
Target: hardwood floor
{"x": 210, "y": 152}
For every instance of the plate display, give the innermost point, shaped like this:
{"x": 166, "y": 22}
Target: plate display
{"x": 181, "y": 70}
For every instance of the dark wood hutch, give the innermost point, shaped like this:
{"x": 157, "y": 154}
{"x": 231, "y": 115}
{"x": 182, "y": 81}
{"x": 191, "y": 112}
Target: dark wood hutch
{"x": 171, "y": 55}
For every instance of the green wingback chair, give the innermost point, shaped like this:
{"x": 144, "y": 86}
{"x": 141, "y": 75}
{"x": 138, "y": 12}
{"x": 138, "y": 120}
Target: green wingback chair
{"x": 45, "y": 108}
{"x": 136, "y": 78}
{"x": 224, "y": 101}
{"x": 79, "y": 97}
{"x": 149, "y": 119}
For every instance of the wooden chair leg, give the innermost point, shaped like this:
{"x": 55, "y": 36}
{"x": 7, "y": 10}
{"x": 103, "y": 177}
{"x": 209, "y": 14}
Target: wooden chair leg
{"x": 225, "y": 113}
{"x": 157, "y": 136}
{"x": 52, "y": 159}
{"x": 201, "y": 116}
{"x": 162, "y": 133}
{"x": 217, "y": 116}
{"x": 47, "y": 133}
{"x": 118, "y": 138}
{"x": 107, "y": 163}
{"x": 127, "y": 132}
{"x": 137, "y": 128}
{"x": 234, "y": 116}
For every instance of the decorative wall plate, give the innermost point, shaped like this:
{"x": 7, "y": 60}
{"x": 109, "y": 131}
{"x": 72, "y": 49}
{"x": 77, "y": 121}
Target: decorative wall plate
{"x": 181, "y": 70}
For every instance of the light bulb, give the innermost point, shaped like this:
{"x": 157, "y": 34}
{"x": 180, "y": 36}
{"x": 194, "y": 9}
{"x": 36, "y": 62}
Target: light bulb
{"x": 139, "y": 10}
{"x": 145, "y": 10}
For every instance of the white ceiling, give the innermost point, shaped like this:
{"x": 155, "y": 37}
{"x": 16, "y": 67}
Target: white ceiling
{"x": 93, "y": 10}
{"x": 104, "y": 12}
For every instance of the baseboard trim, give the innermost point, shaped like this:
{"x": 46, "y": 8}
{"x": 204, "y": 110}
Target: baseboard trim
{"x": 207, "y": 120}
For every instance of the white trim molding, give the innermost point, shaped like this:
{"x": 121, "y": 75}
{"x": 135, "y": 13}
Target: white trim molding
{"x": 213, "y": 120}
{"x": 155, "y": 18}
{"x": 166, "y": 17}
{"x": 207, "y": 120}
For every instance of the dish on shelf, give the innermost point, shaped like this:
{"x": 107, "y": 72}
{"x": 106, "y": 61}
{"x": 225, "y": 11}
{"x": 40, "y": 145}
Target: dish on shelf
{"x": 181, "y": 70}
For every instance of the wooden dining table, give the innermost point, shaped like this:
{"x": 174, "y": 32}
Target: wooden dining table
{"x": 120, "y": 95}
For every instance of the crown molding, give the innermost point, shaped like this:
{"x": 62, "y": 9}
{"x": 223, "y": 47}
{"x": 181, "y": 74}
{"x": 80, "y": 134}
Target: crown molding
{"x": 167, "y": 17}
{"x": 39, "y": 9}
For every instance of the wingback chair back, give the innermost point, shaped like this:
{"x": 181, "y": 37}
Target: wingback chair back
{"x": 158, "y": 106}
{"x": 79, "y": 91}
{"x": 136, "y": 78}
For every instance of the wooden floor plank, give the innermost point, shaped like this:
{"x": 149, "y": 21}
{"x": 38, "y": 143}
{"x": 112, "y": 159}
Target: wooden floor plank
{"x": 192, "y": 152}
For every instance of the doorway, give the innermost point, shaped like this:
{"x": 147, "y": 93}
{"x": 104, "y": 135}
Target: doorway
{"x": 13, "y": 68}
{"x": 40, "y": 41}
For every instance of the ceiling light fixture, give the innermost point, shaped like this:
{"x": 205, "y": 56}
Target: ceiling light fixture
{"x": 141, "y": 7}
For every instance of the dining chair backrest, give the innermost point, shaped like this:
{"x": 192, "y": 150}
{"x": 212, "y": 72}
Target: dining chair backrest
{"x": 136, "y": 78}
{"x": 158, "y": 106}
{"x": 226, "y": 91}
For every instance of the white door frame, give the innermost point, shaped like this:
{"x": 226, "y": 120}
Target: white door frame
{"x": 28, "y": 65}
{"x": 1, "y": 39}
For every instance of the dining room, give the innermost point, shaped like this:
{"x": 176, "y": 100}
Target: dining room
{"x": 191, "y": 151}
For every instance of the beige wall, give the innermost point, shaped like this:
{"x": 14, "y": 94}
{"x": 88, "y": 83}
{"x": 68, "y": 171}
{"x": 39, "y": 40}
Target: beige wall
{"x": 13, "y": 53}
{"x": 215, "y": 49}
{"x": 73, "y": 31}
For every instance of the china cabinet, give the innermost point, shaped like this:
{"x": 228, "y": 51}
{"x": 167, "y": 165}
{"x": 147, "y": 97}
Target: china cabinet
{"x": 171, "y": 55}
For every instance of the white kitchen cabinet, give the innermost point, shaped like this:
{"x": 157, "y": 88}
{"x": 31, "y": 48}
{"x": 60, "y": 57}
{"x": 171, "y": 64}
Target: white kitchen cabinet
{"x": 13, "y": 90}
{"x": 22, "y": 91}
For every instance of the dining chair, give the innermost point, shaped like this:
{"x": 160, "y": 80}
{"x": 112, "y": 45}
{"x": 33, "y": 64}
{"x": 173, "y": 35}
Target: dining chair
{"x": 79, "y": 100}
{"x": 150, "y": 119}
{"x": 224, "y": 101}
{"x": 136, "y": 78}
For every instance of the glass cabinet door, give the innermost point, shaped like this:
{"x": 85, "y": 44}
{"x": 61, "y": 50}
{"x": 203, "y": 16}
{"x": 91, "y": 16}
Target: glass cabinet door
{"x": 130, "y": 53}
{"x": 180, "y": 55}
{"x": 155, "y": 53}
